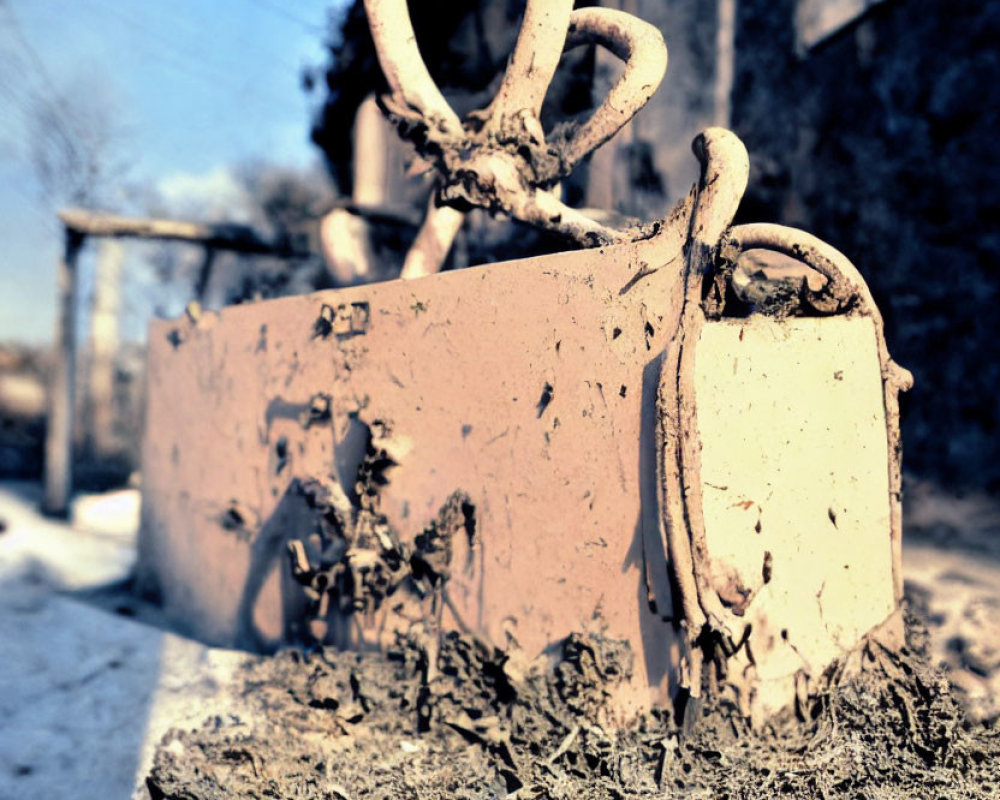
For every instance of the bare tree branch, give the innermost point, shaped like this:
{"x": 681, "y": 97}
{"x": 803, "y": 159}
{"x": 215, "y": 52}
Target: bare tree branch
{"x": 74, "y": 137}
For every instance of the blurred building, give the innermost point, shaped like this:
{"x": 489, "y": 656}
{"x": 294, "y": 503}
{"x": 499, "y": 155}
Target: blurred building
{"x": 877, "y": 133}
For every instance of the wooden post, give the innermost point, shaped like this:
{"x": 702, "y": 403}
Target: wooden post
{"x": 346, "y": 236}
{"x": 78, "y": 225}
{"x": 59, "y": 432}
{"x": 204, "y": 274}
{"x": 103, "y": 348}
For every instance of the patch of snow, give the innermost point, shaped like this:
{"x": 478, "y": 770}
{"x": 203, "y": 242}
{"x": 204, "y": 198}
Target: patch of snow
{"x": 97, "y": 550}
{"x": 85, "y": 696}
{"x": 111, "y": 514}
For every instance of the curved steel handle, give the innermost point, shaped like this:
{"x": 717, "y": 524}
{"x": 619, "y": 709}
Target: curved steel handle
{"x": 498, "y": 157}
{"x": 844, "y": 283}
{"x": 637, "y": 43}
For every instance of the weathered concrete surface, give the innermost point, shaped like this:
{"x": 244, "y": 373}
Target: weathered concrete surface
{"x": 529, "y": 385}
{"x": 85, "y": 694}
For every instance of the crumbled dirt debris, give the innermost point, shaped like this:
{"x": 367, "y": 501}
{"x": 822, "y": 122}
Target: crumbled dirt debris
{"x": 453, "y": 718}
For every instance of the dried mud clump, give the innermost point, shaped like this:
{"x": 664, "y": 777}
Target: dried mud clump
{"x": 891, "y": 730}
{"x": 454, "y": 718}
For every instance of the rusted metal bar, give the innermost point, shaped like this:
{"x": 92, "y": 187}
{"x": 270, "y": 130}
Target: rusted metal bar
{"x": 725, "y": 170}
{"x": 536, "y": 56}
{"x": 499, "y": 158}
{"x": 641, "y": 47}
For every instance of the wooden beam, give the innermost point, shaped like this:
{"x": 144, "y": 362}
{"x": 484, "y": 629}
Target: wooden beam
{"x": 219, "y": 236}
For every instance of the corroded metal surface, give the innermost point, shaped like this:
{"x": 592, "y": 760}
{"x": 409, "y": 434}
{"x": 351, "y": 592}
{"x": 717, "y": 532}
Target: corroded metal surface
{"x": 343, "y": 426}
{"x": 528, "y": 385}
{"x": 795, "y": 493}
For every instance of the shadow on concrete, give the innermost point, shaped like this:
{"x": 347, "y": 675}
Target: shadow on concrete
{"x": 76, "y": 683}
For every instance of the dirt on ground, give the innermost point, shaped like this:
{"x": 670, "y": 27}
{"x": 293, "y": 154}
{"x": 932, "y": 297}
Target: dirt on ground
{"x": 466, "y": 724}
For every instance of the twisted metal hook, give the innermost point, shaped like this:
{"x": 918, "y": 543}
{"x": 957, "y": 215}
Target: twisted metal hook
{"x": 498, "y": 158}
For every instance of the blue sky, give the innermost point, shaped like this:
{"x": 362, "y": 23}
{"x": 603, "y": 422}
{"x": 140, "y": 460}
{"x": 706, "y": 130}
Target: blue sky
{"x": 197, "y": 87}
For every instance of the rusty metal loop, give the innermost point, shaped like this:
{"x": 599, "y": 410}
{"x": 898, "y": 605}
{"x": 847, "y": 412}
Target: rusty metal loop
{"x": 511, "y": 163}
{"x": 844, "y": 283}
{"x": 637, "y": 43}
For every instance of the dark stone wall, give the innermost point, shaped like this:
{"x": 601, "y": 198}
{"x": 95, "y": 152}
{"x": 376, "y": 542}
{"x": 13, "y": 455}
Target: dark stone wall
{"x": 884, "y": 142}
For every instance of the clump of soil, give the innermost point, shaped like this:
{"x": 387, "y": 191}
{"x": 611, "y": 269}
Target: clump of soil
{"x": 454, "y": 719}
